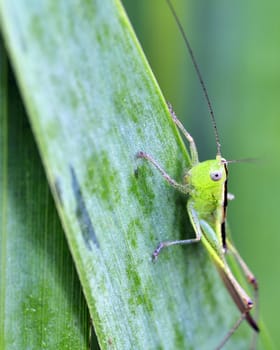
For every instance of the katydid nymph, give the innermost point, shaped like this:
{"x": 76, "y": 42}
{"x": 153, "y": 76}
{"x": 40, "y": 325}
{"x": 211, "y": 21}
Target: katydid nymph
{"x": 205, "y": 183}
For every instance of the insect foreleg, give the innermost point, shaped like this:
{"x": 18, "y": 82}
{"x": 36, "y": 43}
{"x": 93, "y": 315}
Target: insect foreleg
{"x": 173, "y": 183}
{"x": 195, "y": 222}
{"x": 193, "y": 150}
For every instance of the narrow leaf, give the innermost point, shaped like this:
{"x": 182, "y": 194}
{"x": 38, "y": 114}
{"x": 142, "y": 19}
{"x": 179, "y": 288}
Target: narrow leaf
{"x": 41, "y": 301}
{"x": 93, "y": 104}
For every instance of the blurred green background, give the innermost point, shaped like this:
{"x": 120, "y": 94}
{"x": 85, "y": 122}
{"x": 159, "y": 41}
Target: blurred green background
{"x": 237, "y": 45}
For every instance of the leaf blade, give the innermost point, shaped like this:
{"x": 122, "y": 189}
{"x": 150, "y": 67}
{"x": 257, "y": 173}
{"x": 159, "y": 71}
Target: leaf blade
{"x": 42, "y": 305}
{"x": 95, "y": 105}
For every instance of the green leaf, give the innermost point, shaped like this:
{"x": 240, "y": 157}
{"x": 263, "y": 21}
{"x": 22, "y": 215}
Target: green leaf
{"x": 93, "y": 104}
{"x": 42, "y": 305}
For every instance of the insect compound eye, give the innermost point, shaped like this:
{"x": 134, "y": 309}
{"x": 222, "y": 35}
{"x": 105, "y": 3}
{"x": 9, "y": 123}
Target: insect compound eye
{"x": 216, "y": 175}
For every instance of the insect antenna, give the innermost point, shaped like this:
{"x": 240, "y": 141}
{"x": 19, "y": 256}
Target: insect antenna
{"x": 199, "y": 75}
{"x": 242, "y": 160}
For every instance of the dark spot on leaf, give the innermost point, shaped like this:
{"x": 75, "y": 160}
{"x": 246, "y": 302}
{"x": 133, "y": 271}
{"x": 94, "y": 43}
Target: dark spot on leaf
{"x": 136, "y": 173}
{"x": 82, "y": 213}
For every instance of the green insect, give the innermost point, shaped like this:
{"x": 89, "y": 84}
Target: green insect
{"x": 206, "y": 186}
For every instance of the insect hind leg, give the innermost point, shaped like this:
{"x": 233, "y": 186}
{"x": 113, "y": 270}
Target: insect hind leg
{"x": 251, "y": 280}
{"x": 247, "y": 272}
{"x": 231, "y": 332}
